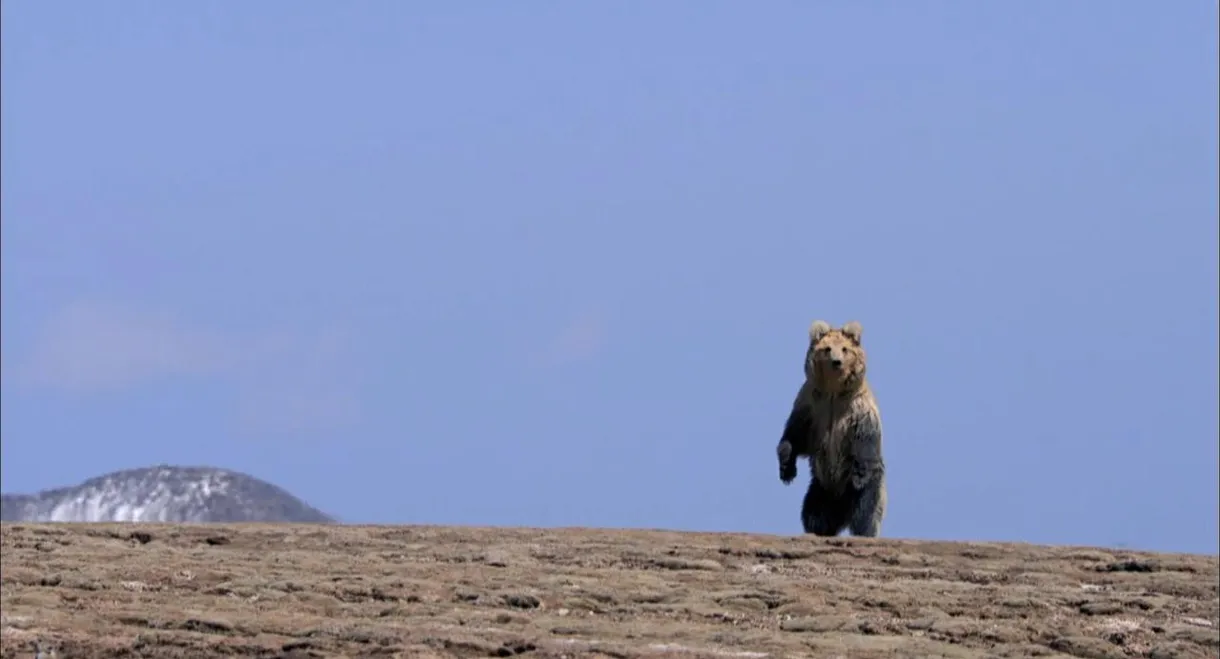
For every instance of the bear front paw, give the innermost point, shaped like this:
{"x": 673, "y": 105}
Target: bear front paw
{"x": 787, "y": 466}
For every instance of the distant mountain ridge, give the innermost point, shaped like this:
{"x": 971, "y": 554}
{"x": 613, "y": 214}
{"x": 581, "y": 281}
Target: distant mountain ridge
{"x": 163, "y": 493}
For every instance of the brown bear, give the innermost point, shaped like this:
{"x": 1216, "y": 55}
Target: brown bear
{"x": 835, "y": 422}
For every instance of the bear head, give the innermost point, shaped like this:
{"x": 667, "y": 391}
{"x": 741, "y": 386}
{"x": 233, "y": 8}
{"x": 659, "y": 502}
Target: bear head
{"x": 835, "y": 361}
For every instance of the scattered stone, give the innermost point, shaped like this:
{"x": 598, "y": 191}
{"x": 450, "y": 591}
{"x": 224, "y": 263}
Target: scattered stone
{"x": 522, "y": 601}
{"x": 819, "y": 624}
{"x": 671, "y": 563}
{"x": 1101, "y": 608}
{"x": 142, "y": 537}
{"x": 496, "y": 559}
{"x": 1088, "y": 647}
{"x": 514, "y": 648}
{"x": 209, "y": 626}
{"x": 1130, "y": 566}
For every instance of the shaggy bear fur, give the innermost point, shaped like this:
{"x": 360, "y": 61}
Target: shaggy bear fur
{"x": 835, "y": 422}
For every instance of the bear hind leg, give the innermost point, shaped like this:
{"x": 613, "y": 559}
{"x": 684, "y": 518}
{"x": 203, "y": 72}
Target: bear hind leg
{"x": 869, "y": 510}
{"x": 821, "y": 514}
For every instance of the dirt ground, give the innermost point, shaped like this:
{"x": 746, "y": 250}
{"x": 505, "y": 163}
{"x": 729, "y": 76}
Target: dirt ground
{"x": 127, "y": 590}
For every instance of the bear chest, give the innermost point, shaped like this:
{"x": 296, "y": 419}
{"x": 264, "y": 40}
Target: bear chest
{"x": 832, "y": 448}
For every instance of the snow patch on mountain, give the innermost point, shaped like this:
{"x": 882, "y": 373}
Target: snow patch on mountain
{"x": 163, "y": 493}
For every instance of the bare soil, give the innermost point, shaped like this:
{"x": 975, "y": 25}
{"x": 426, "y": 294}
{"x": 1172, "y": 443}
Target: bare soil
{"x": 135, "y": 590}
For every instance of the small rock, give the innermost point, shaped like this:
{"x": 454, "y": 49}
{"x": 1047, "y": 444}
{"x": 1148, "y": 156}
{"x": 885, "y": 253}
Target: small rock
{"x": 1198, "y": 635}
{"x": 1088, "y": 647}
{"x": 671, "y": 563}
{"x": 819, "y": 624}
{"x": 211, "y": 625}
{"x": 142, "y": 537}
{"x": 1101, "y": 608}
{"x": 1173, "y": 651}
{"x": 515, "y": 647}
{"x": 521, "y": 601}
{"x": 1131, "y": 566}
{"x": 496, "y": 559}
{"x": 955, "y": 627}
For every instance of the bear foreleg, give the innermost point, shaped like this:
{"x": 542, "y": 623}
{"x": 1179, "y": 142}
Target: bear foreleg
{"x": 795, "y": 440}
{"x": 787, "y": 461}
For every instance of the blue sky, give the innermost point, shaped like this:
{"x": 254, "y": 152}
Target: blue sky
{"x": 553, "y": 263}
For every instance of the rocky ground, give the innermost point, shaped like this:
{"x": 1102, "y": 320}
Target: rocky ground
{"x": 125, "y": 590}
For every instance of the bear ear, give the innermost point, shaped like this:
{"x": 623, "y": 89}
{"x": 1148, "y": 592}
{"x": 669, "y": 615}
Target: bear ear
{"x": 853, "y": 331}
{"x": 817, "y": 330}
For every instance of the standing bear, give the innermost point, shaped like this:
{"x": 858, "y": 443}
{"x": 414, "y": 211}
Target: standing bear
{"x": 836, "y": 423}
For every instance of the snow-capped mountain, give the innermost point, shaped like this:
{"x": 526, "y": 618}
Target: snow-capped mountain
{"x": 163, "y": 493}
